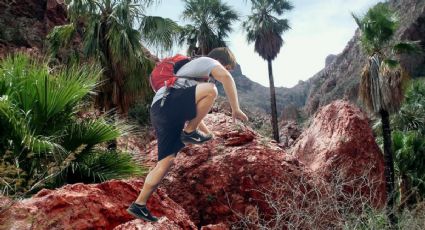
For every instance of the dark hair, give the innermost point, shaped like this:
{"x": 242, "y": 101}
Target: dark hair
{"x": 224, "y": 56}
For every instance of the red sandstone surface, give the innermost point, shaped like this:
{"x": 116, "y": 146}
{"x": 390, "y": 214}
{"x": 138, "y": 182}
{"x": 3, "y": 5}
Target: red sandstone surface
{"x": 340, "y": 143}
{"x": 94, "y": 206}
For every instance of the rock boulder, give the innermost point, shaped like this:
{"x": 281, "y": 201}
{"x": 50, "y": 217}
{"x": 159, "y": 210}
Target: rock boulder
{"x": 93, "y": 206}
{"x": 339, "y": 145}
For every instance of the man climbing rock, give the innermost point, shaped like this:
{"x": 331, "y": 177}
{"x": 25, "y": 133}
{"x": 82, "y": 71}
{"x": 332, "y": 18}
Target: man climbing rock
{"x": 184, "y": 97}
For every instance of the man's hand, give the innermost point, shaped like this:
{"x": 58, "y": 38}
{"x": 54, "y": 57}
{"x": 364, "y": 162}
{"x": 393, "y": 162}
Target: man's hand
{"x": 238, "y": 114}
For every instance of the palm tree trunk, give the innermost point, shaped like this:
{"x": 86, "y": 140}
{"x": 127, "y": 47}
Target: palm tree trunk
{"x": 107, "y": 101}
{"x": 273, "y": 102}
{"x": 389, "y": 166}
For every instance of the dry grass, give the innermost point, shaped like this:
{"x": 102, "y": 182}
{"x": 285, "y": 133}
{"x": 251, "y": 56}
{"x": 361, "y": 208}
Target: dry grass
{"x": 313, "y": 204}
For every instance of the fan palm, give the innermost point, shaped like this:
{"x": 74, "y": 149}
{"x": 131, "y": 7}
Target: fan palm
{"x": 109, "y": 35}
{"x": 382, "y": 80}
{"x": 42, "y": 142}
{"x": 409, "y": 148}
{"x": 409, "y": 143}
{"x": 211, "y": 23}
{"x": 411, "y": 115}
{"x": 264, "y": 27}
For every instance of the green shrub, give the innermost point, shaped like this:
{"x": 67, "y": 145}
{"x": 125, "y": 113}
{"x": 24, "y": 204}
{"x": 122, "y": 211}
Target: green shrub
{"x": 140, "y": 113}
{"x": 42, "y": 141}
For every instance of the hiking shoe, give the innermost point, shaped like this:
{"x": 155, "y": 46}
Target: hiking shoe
{"x": 142, "y": 212}
{"x": 194, "y": 137}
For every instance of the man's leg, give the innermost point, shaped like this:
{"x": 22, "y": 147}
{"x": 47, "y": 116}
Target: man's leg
{"x": 203, "y": 127}
{"x": 154, "y": 178}
{"x": 205, "y": 95}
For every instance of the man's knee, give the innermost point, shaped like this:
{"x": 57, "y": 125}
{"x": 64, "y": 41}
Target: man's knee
{"x": 212, "y": 90}
{"x": 206, "y": 90}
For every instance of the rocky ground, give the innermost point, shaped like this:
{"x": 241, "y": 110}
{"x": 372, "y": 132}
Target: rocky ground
{"x": 213, "y": 185}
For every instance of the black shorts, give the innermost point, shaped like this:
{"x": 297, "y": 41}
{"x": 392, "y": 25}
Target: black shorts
{"x": 169, "y": 120}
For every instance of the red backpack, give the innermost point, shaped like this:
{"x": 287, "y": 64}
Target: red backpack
{"x": 164, "y": 72}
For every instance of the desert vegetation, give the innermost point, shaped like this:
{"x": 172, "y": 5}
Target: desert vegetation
{"x": 44, "y": 142}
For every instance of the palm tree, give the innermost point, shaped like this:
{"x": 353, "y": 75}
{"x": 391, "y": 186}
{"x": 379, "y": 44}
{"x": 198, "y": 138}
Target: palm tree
{"x": 382, "y": 81}
{"x": 265, "y": 27}
{"x": 109, "y": 36}
{"x": 212, "y": 20}
{"x": 42, "y": 141}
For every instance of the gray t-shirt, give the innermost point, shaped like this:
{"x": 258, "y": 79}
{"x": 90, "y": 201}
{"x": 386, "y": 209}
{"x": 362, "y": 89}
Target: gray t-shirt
{"x": 198, "y": 68}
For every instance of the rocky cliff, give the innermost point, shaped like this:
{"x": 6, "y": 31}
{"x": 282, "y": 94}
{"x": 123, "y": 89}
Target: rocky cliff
{"x": 257, "y": 97}
{"x": 24, "y": 24}
{"x": 340, "y": 77}
{"x": 239, "y": 174}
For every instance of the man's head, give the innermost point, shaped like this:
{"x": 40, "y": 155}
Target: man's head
{"x": 224, "y": 56}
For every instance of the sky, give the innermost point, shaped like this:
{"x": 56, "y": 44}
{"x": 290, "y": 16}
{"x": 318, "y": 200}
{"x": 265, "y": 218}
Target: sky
{"x": 318, "y": 28}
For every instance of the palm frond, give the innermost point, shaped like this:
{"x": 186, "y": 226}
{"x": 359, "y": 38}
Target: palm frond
{"x": 409, "y": 157}
{"x": 369, "y": 90}
{"x": 93, "y": 132}
{"x": 268, "y": 44}
{"x": 13, "y": 71}
{"x": 160, "y": 32}
{"x": 411, "y": 115}
{"x": 99, "y": 166}
{"x": 137, "y": 83}
{"x": 358, "y": 21}
{"x": 82, "y": 8}
{"x": 59, "y": 37}
{"x": 393, "y": 82}
{"x": 92, "y": 39}
{"x": 416, "y": 93}
{"x": 188, "y": 35}
{"x": 391, "y": 63}
{"x": 281, "y": 6}
{"x": 122, "y": 38}
{"x": 19, "y": 131}
{"x": 52, "y": 96}
{"x": 377, "y": 27}
{"x": 408, "y": 47}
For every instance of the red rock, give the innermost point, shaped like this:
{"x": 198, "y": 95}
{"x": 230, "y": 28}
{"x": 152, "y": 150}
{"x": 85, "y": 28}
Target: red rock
{"x": 215, "y": 180}
{"x": 220, "y": 226}
{"x": 340, "y": 140}
{"x": 163, "y": 223}
{"x": 26, "y": 23}
{"x": 237, "y": 138}
{"x": 56, "y": 13}
{"x": 289, "y": 131}
{"x": 93, "y": 206}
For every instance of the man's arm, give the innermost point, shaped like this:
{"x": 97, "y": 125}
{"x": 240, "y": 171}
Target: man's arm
{"x": 222, "y": 75}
